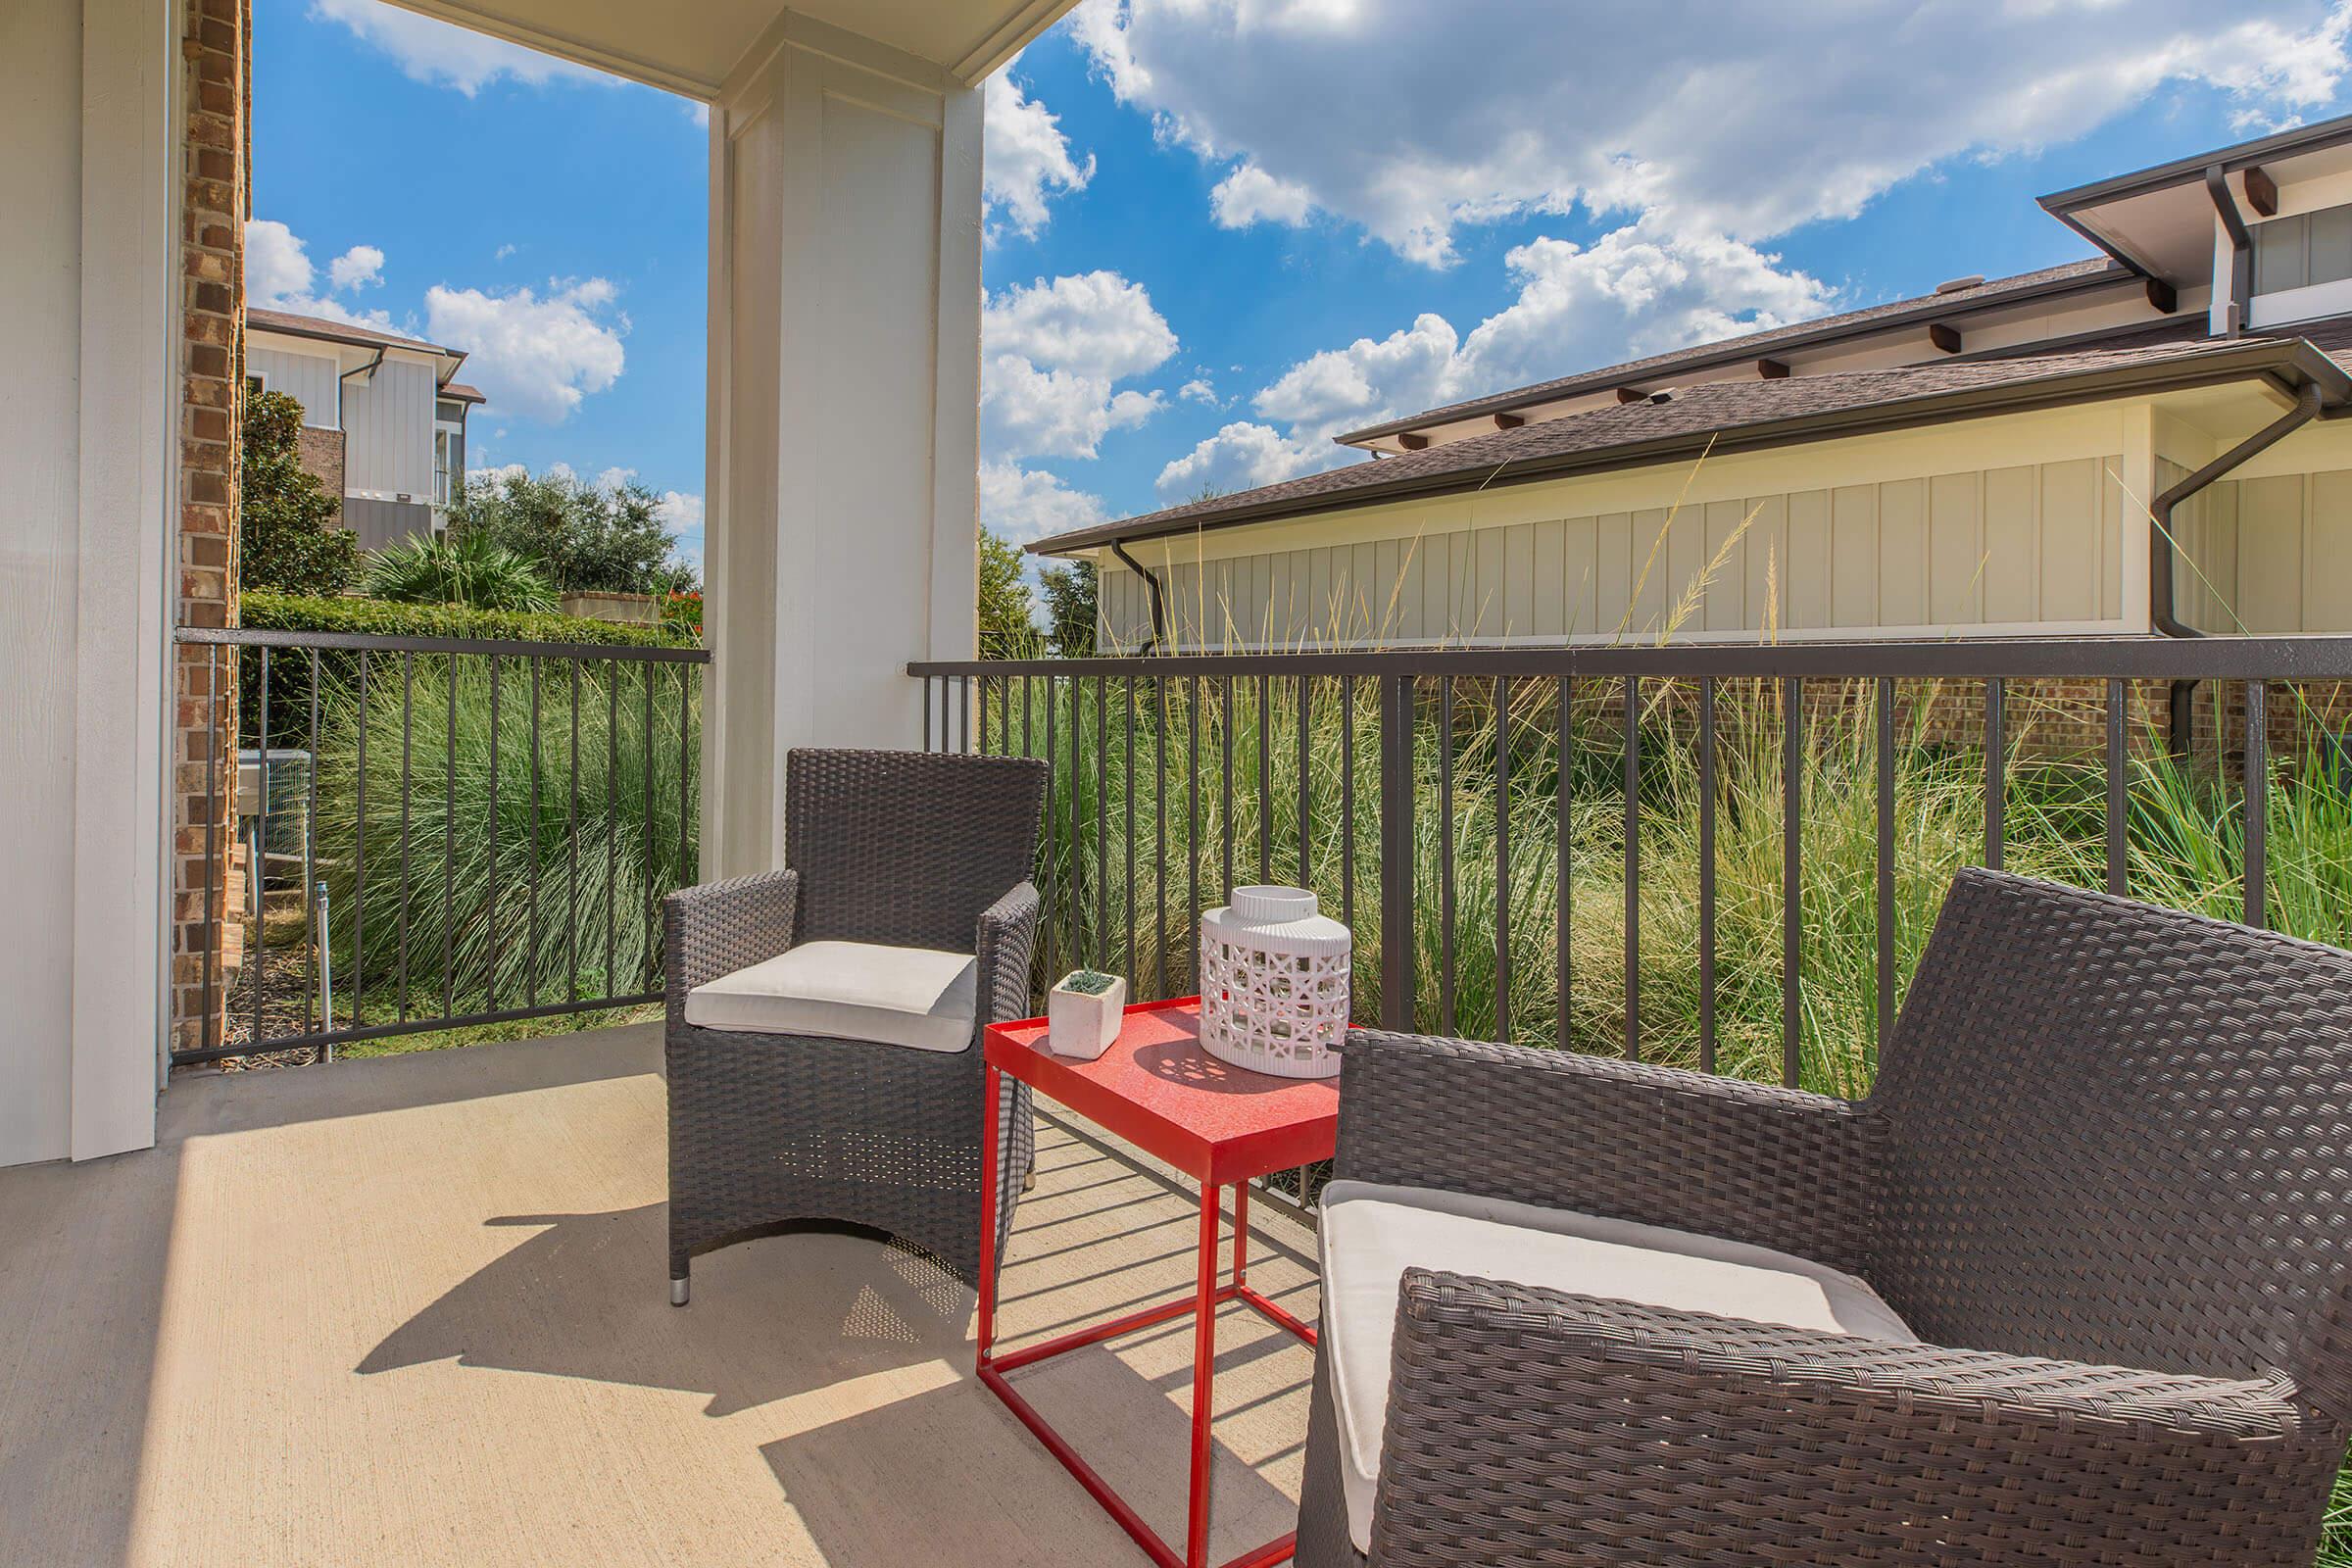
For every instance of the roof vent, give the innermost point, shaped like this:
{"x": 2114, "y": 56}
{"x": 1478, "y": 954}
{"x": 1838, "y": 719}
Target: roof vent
{"x": 1662, "y": 395}
{"x": 1953, "y": 285}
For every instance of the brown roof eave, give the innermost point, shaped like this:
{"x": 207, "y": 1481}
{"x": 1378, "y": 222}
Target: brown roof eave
{"x": 2293, "y": 358}
{"x": 1733, "y": 350}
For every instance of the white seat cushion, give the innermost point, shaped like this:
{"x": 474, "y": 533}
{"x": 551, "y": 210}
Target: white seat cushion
{"x": 1371, "y": 1233}
{"x": 912, "y": 997}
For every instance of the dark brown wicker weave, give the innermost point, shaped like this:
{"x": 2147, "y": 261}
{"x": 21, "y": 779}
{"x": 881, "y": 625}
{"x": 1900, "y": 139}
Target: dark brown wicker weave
{"x": 2107, "y": 1162}
{"x": 771, "y": 1133}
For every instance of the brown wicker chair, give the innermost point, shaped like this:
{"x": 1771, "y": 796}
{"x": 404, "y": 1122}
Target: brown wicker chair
{"x": 2104, "y": 1175}
{"x": 771, "y": 1132}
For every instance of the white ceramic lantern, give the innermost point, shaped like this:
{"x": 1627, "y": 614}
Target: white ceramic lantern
{"x": 1274, "y": 975}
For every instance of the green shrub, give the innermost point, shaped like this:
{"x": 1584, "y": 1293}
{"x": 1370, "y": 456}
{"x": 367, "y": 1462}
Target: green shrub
{"x": 471, "y": 569}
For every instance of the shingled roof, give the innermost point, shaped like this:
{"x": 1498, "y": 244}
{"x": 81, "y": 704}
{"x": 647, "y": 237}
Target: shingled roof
{"x": 2070, "y": 277}
{"x": 1727, "y": 416}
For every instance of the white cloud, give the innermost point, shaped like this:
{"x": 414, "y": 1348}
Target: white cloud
{"x": 613, "y": 479}
{"x": 440, "y": 54}
{"x": 1327, "y": 392}
{"x": 501, "y": 252}
{"x": 1760, "y": 117}
{"x": 279, "y": 276}
{"x": 1243, "y": 456}
{"x": 1052, "y": 353}
{"x": 683, "y": 515}
{"x": 1028, "y": 504}
{"x": 1025, "y": 157}
{"x": 536, "y": 355}
{"x": 361, "y": 266}
{"x": 1249, "y": 194}
{"x": 1200, "y": 391}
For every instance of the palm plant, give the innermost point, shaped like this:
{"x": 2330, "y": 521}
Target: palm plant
{"x": 469, "y": 568}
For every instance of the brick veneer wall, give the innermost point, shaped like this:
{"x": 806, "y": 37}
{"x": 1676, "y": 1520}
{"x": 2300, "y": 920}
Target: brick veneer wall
{"x": 217, "y": 144}
{"x": 320, "y": 454}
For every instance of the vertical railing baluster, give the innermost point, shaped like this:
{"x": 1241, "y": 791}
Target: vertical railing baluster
{"x": 612, "y": 986}
{"x": 984, "y": 726}
{"x": 498, "y": 882}
{"x": 963, "y": 688}
{"x": 1397, "y": 958}
{"x": 310, "y": 868}
{"x": 1192, "y": 822}
{"x": 1306, "y": 820}
{"x": 449, "y": 841}
{"x": 646, "y": 976}
{"x": 946, "y": 742}
{"x": 1127, "y": 782}
{"x": 257, "y": 967}
{"x": 1707, "y": 873}
{"x": 1053, "y": 916}
{"x": 2258, "y": 805}
{"x": 2117, "y": 781}
{"x": 686, "y": 794}
{"x": 1101, "y": 944}
{"x": 571, "y": 846}
{"x": 537, "y": 837}
{"x": 1160, "y": 836}
{"x": 408, "y": 708}
{"x": 358, "y": 858}
{"x": 1886, "y": 866}
{"x": 1996, "y": 769}
{"x": 1347, "y": 802}
{"x": 1446, "y": 895}
{"x": 1563, "y": 830}
{"x": 1633, "y": 867}
{"x": 1265, "y": 778}
{"x": 1792, "y": 877}
{"x": 1225, "y": 739}
{"x": 1502, "y": 858}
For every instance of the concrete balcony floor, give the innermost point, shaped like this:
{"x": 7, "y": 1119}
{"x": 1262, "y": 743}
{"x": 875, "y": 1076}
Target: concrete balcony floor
{"x": 413, "y": 1310}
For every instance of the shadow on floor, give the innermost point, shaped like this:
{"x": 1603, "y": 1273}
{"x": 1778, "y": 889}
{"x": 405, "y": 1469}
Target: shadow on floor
{"x": 586, "y": 1297}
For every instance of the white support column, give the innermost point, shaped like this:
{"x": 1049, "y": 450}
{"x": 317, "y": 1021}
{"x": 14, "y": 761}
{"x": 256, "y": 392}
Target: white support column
{"x": 845, "y": 371}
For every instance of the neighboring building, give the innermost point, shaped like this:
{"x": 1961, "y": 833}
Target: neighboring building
{"x": 1979, "y": 461}
{"x": 383, "y": 418}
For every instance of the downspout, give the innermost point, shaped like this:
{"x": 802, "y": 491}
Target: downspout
{"x": 2242, "y": 248}
{"x": 1159, "y": 620}
{"x": 2163, "y": 602}
{"x": 368, "y": 371}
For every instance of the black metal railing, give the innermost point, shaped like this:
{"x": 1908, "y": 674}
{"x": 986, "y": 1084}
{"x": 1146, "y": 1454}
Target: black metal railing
{"x": 437, "y": 832}
{"x": 1454, "y": 806}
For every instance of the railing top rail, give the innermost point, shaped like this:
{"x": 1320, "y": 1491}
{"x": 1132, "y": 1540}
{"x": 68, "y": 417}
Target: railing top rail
{"x": 252, "y": 637}
{"x": 2287, "y": 658}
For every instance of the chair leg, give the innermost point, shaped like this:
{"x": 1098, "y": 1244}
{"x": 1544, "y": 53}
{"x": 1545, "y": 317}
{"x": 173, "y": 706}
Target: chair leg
{"x": 677, "y": 1290}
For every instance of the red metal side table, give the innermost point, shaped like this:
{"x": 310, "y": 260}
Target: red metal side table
{"x": 1221, "y": 1125}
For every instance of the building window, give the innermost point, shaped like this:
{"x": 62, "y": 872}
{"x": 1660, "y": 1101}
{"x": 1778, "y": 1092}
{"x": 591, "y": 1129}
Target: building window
{"x": 449, "y": 452}
{"x": 2303, "y": 251}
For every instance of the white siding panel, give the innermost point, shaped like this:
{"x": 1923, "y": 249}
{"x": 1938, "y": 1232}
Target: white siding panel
{"x": 388, "y": 431}
{"x": 308, "y": 378}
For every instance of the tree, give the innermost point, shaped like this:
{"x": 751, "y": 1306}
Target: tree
{"x": 1007, "y": 615}
{"x": 586, "y": 538}
{"x": 290, "y": 539}
{"x": 1070, "y": 608}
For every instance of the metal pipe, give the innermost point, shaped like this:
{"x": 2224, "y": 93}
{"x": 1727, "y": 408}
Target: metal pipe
{"x": 2163, "y": 602}
{"x": 1159, "y": 619}
{"x": 2242, "y": 248}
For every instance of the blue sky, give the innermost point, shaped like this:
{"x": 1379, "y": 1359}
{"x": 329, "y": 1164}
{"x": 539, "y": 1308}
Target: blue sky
{"x": 1220, "y": 231}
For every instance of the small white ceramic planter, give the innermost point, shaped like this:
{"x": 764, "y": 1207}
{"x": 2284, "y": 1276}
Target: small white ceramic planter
{"x": 1083, "y": 1023}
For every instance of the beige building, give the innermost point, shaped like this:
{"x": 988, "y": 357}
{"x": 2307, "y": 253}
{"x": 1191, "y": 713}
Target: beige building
{"x": 2038, "y": 455}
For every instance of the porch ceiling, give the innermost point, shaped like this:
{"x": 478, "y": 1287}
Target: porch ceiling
{"x": 691, "y": 46}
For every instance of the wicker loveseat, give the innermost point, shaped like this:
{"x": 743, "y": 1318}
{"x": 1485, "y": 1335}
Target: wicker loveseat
{"x": 804, "y": 1088}
{"x": 2102, "y": 1181}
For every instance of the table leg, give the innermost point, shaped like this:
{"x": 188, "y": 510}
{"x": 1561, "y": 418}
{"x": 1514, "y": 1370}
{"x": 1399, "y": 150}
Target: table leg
{"x": 991, "y": 1084}
{"x": 1205, "y": 1360}
{"x": 1241, "y": 1233}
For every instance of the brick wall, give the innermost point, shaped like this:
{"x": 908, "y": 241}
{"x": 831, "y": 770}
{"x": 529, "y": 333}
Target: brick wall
{"x": 320, "y": 454}
{"x": 217, "y": 146}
